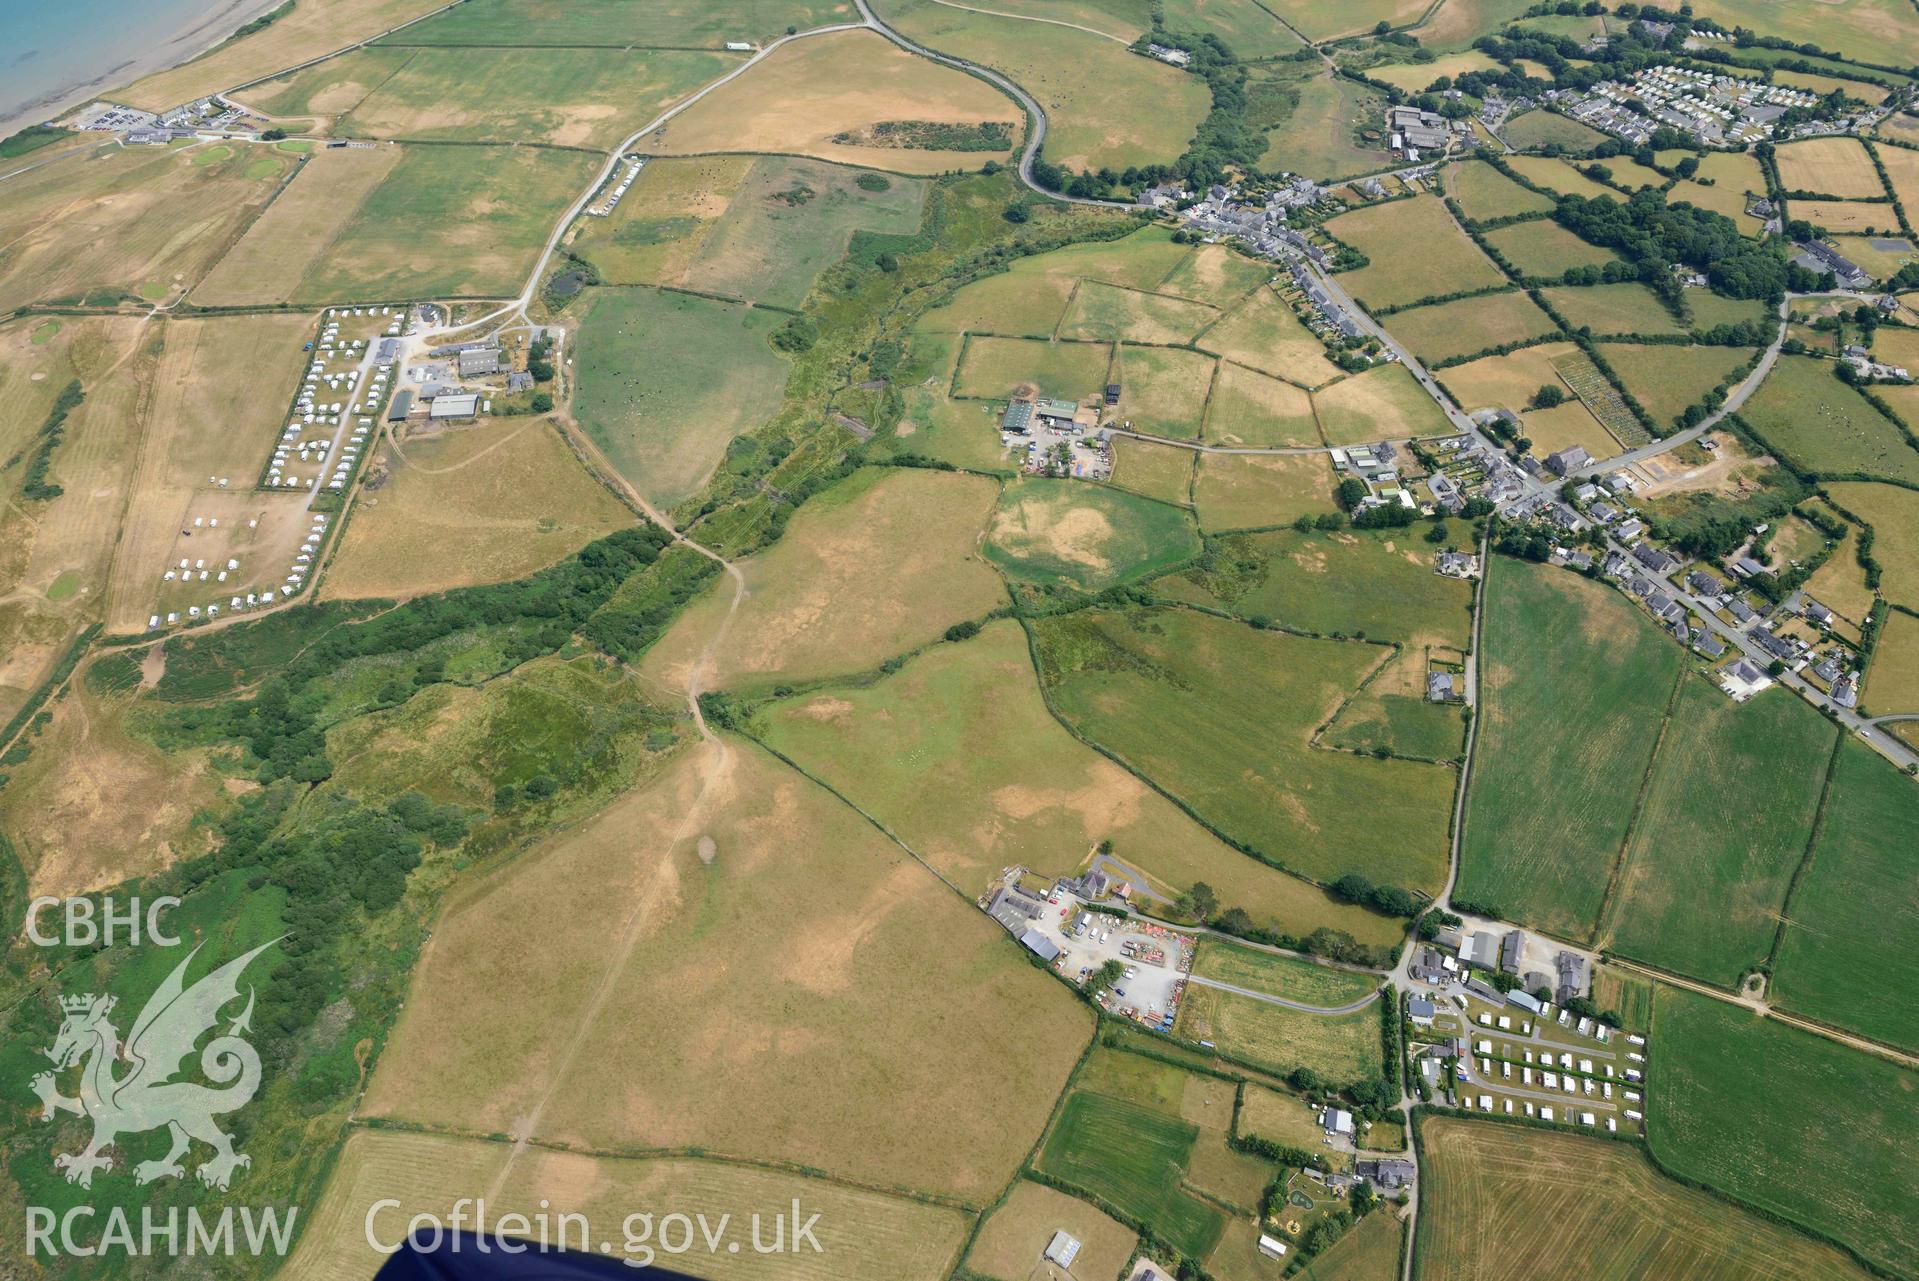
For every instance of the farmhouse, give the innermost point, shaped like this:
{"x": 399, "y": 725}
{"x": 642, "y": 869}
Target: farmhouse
{"x": 1442, "y": 687}
{"x": 1572, "y": 976}
{"x": 1385, "y": 1172}
{"x": 1421, "y": 1011}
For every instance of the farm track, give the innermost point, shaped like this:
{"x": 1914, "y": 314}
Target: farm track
{"x": 1025, "y": 17}
{"x": 1351, "y": 1007}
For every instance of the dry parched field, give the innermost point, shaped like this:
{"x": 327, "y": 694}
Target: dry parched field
{"x": 863, "y": 1236}
{"x": 1249, "y": 408}
{"x": 1416, "y": 252}
{"x": 687, "y": 1038}
{"x": 1383, "y": 403}
{"x": 1451, "y": 329}
{"x": 1893, "y": 513}
{"x": 1013, "y": 1236}
{"x": 883, "y": 562}
{"x": 1252, "y": 491}
{"x": 1502, "y": 1200}
{"x": 298, "y": 228}
{"x": 807, "y": 93}
{"x": 1829, "y": 167}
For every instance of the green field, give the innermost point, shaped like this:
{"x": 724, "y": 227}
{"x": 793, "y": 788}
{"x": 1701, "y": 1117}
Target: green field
{"x": 1544, "y": 248}
{"x": 1484, "y": 193}
{"x": 1279, "y": 975}
{"x": 1383, "y": 403}
{"x": 1318, "y": 21}
{"x": 1251, "y": 408}
{"x": 1133, "y": 1157}
{"x": 1310, "y": 116}
{"x": 1612, "y": 309}
{"x": 1029, "y": 297}
{"x": 1665, "y": 380}
{"x": 1221, "y": 715}
{"x": 330, "y": 88}
{"x": 1157, "y": 471}
{"x": 958, "y": 754}
{"x": 1573, "y": 683}
{"x": 1874, "y": 31}
{"x": 996, "y": 368}
{"x": 1538, "y": 128}
{"x": 1451, "y": 330}
{"x": 668, "y": 380}
{"x": 1342, "y": 1048}
{"x": 1854, "y": 916}
{"x": 1416, "y": 250}
{"x": 1086, "y": 536}
{"x": 1725, "y": 820}
{"x": 1826, "y": 427}
{"x": 1390, "y": 714}
{"x": 1811, "y": 1131}
{"x": 677, "y": 24}
{"x": 1245, "y": 25}
{"x": 490, "y": 210}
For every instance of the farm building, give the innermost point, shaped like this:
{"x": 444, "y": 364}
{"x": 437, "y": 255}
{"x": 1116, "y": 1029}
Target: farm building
{"x": 476, "y": 361}
{"x": 399, "y": 407}
{"x": 1056, "y": 413}
{"x": 456, "y": 406}
{"x": 1062, "y": 1249}
{"x": 1039, "y": 945}
{"x": 1336, "y": 1121}
{"x": 1018, "y": 418}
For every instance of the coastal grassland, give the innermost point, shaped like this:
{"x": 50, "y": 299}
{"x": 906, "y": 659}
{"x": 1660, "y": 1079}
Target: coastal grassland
{"x": 765, "y": 1056}
{"x": 1416, "y": 250}
{"x": 1317, "y": 23}
{"x": 1369, "y": 1252}
{"x": 674, "y": 24}
{"x": 1484, "y": 193}
{"x": 326, "y": 90}
{"x": 660, "y": 225}
{"x": 302, "y": 34}
{"x": 1508, "y": 381}
{"x": 978, "y": 783}
{"x": 1714, "y": 1064}
{"x": 1547, "y": 809}
{"x": 589, "y": 98}
{"x": 1247, "y": 26}
{"x": 1163, "y": 390}
{"x": 1726, "y": 815}
{"x": 1251, "y": 409}
{"x": 1307, "y": 982}
{"x": 1853, "y": 916}
{"x": 1065, "y": 532}
{"x": 1893, "y": 513}
{"x": 1219, "y": 274}
{"x": 1450, "y": 329}
{"x": 108, "y": 225}
{"x": 1611, "y": 309}
{"x": 1836, "y": 166}
{"x": 1342, "y": 1048}
{"x": 1413, "y": 77}
{"x": 880, "y": 563}
{"x": 282, "y": 246}
{"x": 1383, "y": 403}
{"x": 206, "y": 417}
{"x": 1133, "y": 1157}
{"x": 1542, "y": 1202}
{"x": 1263, "y": 332}
{"x": 996, "y": 368}
{"x": 482, "y": 506}
{"x": 1546, "y": 249}
{"x": 1306, "y": 581}
{"x": 450, "y": 221}
{"x": 1555, "y": 174}
{"x": 791, "y": 218}
{"x": 1017, "y": 1233}
{"x": 1666, "y": 379}
{"x": 1157, "y": 471}
{"x": 667, "y": 381}
{"x": 1544, "y": 128}
{"x": 1222, "y": 715}
{"x": 864, "y": 1236}
{"x": 1311, "y": 117}
{"x": 1252, "y": 491}
{"x": 1105, "y": 106}
{"x": 1821, "y": 424}
{"x": 1105, "y": 313}
{"x": 807, "y": 95}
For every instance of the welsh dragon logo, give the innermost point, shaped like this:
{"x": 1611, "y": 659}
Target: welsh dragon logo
{"x": 147, "y": 1097}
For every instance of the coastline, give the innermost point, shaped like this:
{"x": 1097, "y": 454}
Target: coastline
{"x": 205, "y": 33}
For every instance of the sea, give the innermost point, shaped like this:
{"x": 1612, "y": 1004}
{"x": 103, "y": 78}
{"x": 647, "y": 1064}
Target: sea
{"x": 54, "y": 53}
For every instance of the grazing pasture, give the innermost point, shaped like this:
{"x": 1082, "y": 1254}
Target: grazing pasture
{"x": 467, "y": 507}
{"x": 662, "y": 222}
{"x": 1547, "y": 810}
{"x": 1543, "y": 1202}
{"x": 283, "y": 245}
{"x": 1105, "y": 313}
{"x": 1450, "y": 330}
{"x": 1557, "y": 175}
{"x": 806, "y": 96}
{"x": 1066, "y": 532}
{"x": 1369, "y": 1252}
{"x": 1837, "y": 167}
{"x": 1892, "y": 680}
{"x": 1612, "y": 309}
{"x": 1311, "y": 116}
{"x": 1255, "y": 491}
{"x": 1726, "y": 815}
{"x": 1666, "y": 379}
{"x": 1383, "y": 403}
{"x": 1018, "y": 1232}
{"x": 1542, "y": 128}
{"x": 1893, "y": 513}
{"x": 1342, "y": 1048}
{"x": 1222, "y": 715}
{"x": 620, "y": 24}
{"x": 1316, "y": 22}
{"x": 1394, "y": 713}
{"x": 1218, "y": 274}
{"x": 1484, "y": 193}
{"x": 1902, "y": 168}
{"x": 1566, "y": 424}
{"x": 1163, "y": 390}
{"x": 1247, "y": 26}
{"x": 978, "y": 784}
{"x": 1508, "y": 381}
{"x": 666, "y": 381}
{"x": 1307, "y": 982}
{"x": 1030, "y": 296}
{"x": 1545, "y": 249}
{"x": 1854, "y": 911}
{"x": 1263, "y": 333}
{"x": 1847, "y": 217}
{"x": 1414, "y": 77}
{"x": 1248, "y": 408}
{"x": 1713, "y": 1060}
{"x": 326, "y": 90}
{"x": 817, "y": 607}
{"x": 1157, "y": 471}
{"x": 1818, "y": 422}
{"x": 996, "y": 368}
{"x": 1133, "y": 1157}
{"x": 1416, "y": 251}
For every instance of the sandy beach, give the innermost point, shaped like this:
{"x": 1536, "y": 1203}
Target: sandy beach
{"x": 213, "y": 23}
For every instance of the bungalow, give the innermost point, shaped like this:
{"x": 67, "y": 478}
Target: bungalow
{"x": 1386, "y": 1171}
{"x": 1778, "y": 646}
{"x": 1705, "y": 585}
{"x": 1580, "y": 560}
{"x": 1709, "y": 645}
{"x": 1741, "y": 612}
{"x": 1742, "y": 679}
{"x": 1421, "y": 1011}
{"x": 1630, "y": 529}
{"x": 1604, "y": 513}
{"x": 1818, "y": 613}
{"x": 1442, "y": 687}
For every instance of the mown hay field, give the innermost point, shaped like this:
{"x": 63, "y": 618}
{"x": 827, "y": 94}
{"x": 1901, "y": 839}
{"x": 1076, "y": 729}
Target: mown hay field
{"x": 1867, "y": 30}
{"x": 1724, "y": 1094}
{"x": 1416, "y": 252}
{"x": 1307, "y": 982}
{"x": 1847, "y": 217}
{"x": 1540, "y": 1202}
{"x": 958, "y": 754}
{"x": 1383, "y": 403}
{"x": 1221, "y": 715}
{"x": 1484, "y": 193}
{"x": 1255, "y": 491}
{"x": 1854, "y": 912}
{"x": 1133, "y": 1157}
{"x": 647, "y": 1025}
{"x": 804, "y": 97}
{"x": 283, "y": 245}
{"x": 1555, "y": 174}
{"x": 1412, "y": 78}
{"x": 1450, "y": 330}
{"x": 667, "y": 380}
{"x": 1342, "y": 1048}
{"x": 665, "y": 24}
{"x": 1725, "y": 817}
{"x": 1263, "y": 333}
{"x": 1546, "y": 249}
{"x": 1893, "y": 513}
{"x": 880, "y": 564}
{"x": 1547, "y": 809}
{"x": 1064, "y": 532}
{"x": 1902, "y": 168}
{"x": 1892, "y": 679}
{"x": 1248, "y": 408}
{"x": 472, "y": 507}
{"x": 1612, "y": 309}
{"x": 1818, "y": 422}
{"x": 1015, "y": 1235}
{"x": 863, "y": 1236}
{"x": 1838, "y": 167}
{"x": 1508, "y": 381}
